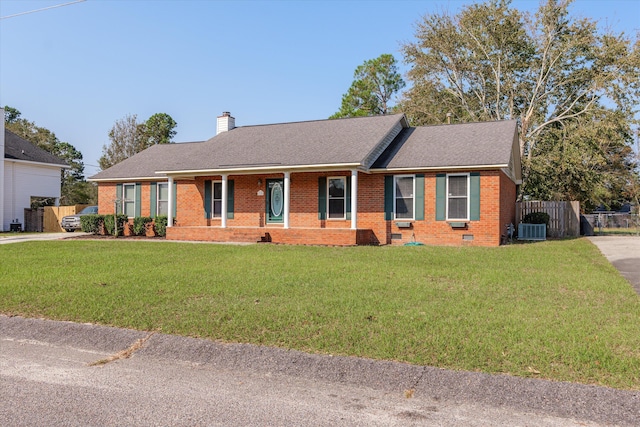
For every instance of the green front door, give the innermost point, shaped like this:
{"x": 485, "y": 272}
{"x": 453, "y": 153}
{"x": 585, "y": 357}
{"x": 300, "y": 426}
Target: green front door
{"x": 275, "y": 200}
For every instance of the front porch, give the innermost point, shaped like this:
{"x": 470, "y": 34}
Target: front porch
{"x": 294, "y": 236}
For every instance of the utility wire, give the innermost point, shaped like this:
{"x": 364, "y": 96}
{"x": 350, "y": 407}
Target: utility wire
{"x": 39, "y": 10}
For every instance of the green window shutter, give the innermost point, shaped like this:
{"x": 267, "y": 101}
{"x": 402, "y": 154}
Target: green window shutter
{"x": 419, "y": 199}
{"x": 322, "y": 197}
{"x": 175, "y": 199}
{"x": 138, "y": 199}
{"x": 153, "y": 200}
{"x": 474, "y": 195}
{"x": 388, "y": 197}
{"x": 207, "y": 198}
{"x": 230, "y": 199}
{"x": 119, "y": 197}
{"x": 348, "y": 197}
{"x": 441, "y": 196}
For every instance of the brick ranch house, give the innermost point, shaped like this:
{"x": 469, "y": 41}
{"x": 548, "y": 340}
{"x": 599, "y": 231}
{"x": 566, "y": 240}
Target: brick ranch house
{"x": 354, "y": 181}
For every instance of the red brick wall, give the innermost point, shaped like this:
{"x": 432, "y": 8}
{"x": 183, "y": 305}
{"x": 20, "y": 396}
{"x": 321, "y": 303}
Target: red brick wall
{"x": 508, "y": 195}
{"x": 497, "y": 208}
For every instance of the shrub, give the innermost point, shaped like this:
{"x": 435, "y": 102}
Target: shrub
{"x": 91, "y": 223}
{"x": 109, "y": 224}
{"x": 140, "y": 225}
{"x": 536, "y": 218}
{"x": 160, "y": 225}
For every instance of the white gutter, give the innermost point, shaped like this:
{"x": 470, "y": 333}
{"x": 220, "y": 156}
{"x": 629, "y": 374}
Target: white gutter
{"x": 129, "y": 179}
{"x": 439, "y": 168}
{"x": 259, "y": 170}
{"x": 31, "y": 162}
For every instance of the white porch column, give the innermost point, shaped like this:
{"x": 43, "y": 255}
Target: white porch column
{"x": 287, "y": 191}
{"x": 354, "y": 199}
{"x": 170, "y": 203}
{"x": 223, "y": 213}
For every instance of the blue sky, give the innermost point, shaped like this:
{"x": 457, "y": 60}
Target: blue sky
{"x": 77, "y": 69}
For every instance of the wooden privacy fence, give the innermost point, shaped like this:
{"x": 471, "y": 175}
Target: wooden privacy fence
{"x": 54, "y": 214}
{"x": 564, "y": 217}
{"x": 33, "y": 219}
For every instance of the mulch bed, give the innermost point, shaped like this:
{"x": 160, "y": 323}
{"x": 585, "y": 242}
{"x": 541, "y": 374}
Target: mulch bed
{"x": 108, "y": 237}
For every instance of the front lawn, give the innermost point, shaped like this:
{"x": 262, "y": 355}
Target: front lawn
{"x": 554, "y": 309}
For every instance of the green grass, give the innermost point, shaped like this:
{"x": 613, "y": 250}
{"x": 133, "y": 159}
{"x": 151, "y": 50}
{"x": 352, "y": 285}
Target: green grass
{"x": 554, "y": 309}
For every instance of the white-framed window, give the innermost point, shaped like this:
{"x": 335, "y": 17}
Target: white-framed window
{"x": 404, "y": 196}
{"x": 458, "y": 197}
{"x": 129, "y": 200}
{"x": 337, "y": 197}
{"x": 162, "y": 198}
{"x": 216, "y": 199}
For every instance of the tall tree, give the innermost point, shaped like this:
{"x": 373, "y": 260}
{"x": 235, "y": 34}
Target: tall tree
{"x": 72, "y": 178}
{"x": 376, "y": 82}
{"x": 554, "y": 74}
{"x": 159, "y": 129}
{"x": 125, "y": 140}
{"x": 128, "y": 137}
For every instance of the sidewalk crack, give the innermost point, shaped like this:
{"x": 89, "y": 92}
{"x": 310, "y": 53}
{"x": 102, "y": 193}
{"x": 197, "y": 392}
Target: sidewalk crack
{"x": 124, "y": 354}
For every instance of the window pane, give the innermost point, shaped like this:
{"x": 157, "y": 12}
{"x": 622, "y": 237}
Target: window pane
{"x": 404, "y": 187}
{"x": 336, "y": 188}
{"x": 404, "y": 208}
{"x": 130, "y": 208}
{"x": 336, "y": 208}
{"x": 217, "y": 208}
{"x": 458, "y": 186}
{"x": 163, "y": 191}
{"x": 458, "y": 208}
{"x": 129, "y": 192}
{"x": 163, "y": 208}
{"x": 217, "y": 190}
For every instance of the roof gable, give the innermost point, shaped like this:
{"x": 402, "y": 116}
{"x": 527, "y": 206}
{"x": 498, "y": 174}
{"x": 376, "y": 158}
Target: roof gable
{"x": 17, "y": 148}
{"x": 446, "y": 146}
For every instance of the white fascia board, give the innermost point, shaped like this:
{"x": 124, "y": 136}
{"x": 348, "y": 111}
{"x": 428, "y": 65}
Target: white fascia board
{"x": 129, "y": 179}
{"x": 439, "y": 168}
{"x": 262, "y": 170}
{"x": 28, "y": 162}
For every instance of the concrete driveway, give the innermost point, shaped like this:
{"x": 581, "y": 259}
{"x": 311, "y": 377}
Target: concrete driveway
{"x": 624, "y": 253}
{"x": 26, "y": 237}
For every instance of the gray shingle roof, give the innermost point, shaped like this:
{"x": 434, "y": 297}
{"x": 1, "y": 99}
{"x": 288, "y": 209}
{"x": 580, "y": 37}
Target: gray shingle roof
{"x": 467, "y": 144}
{"x": 355, "y": 141}
{"x": 321, "y": 142}
{"x": 18, "y": 148}
{"x": 147, "y": 162}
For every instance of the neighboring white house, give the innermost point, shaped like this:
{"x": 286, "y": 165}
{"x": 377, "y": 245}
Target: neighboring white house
{"x": 26, "y": 171}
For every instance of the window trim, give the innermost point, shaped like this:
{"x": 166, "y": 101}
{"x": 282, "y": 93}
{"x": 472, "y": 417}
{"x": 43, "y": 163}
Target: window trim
{"x": 413, "y": 197}
{"x": 344, "y": 198}
{"x": 468, "y": 197}
{"x": 123, "y": 200}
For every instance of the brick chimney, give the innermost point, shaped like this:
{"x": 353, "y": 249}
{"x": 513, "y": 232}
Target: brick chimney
{"x": 225, "y": 122}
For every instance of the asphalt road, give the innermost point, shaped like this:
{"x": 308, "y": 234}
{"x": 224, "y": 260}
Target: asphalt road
{"x": 47, "y": 378}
